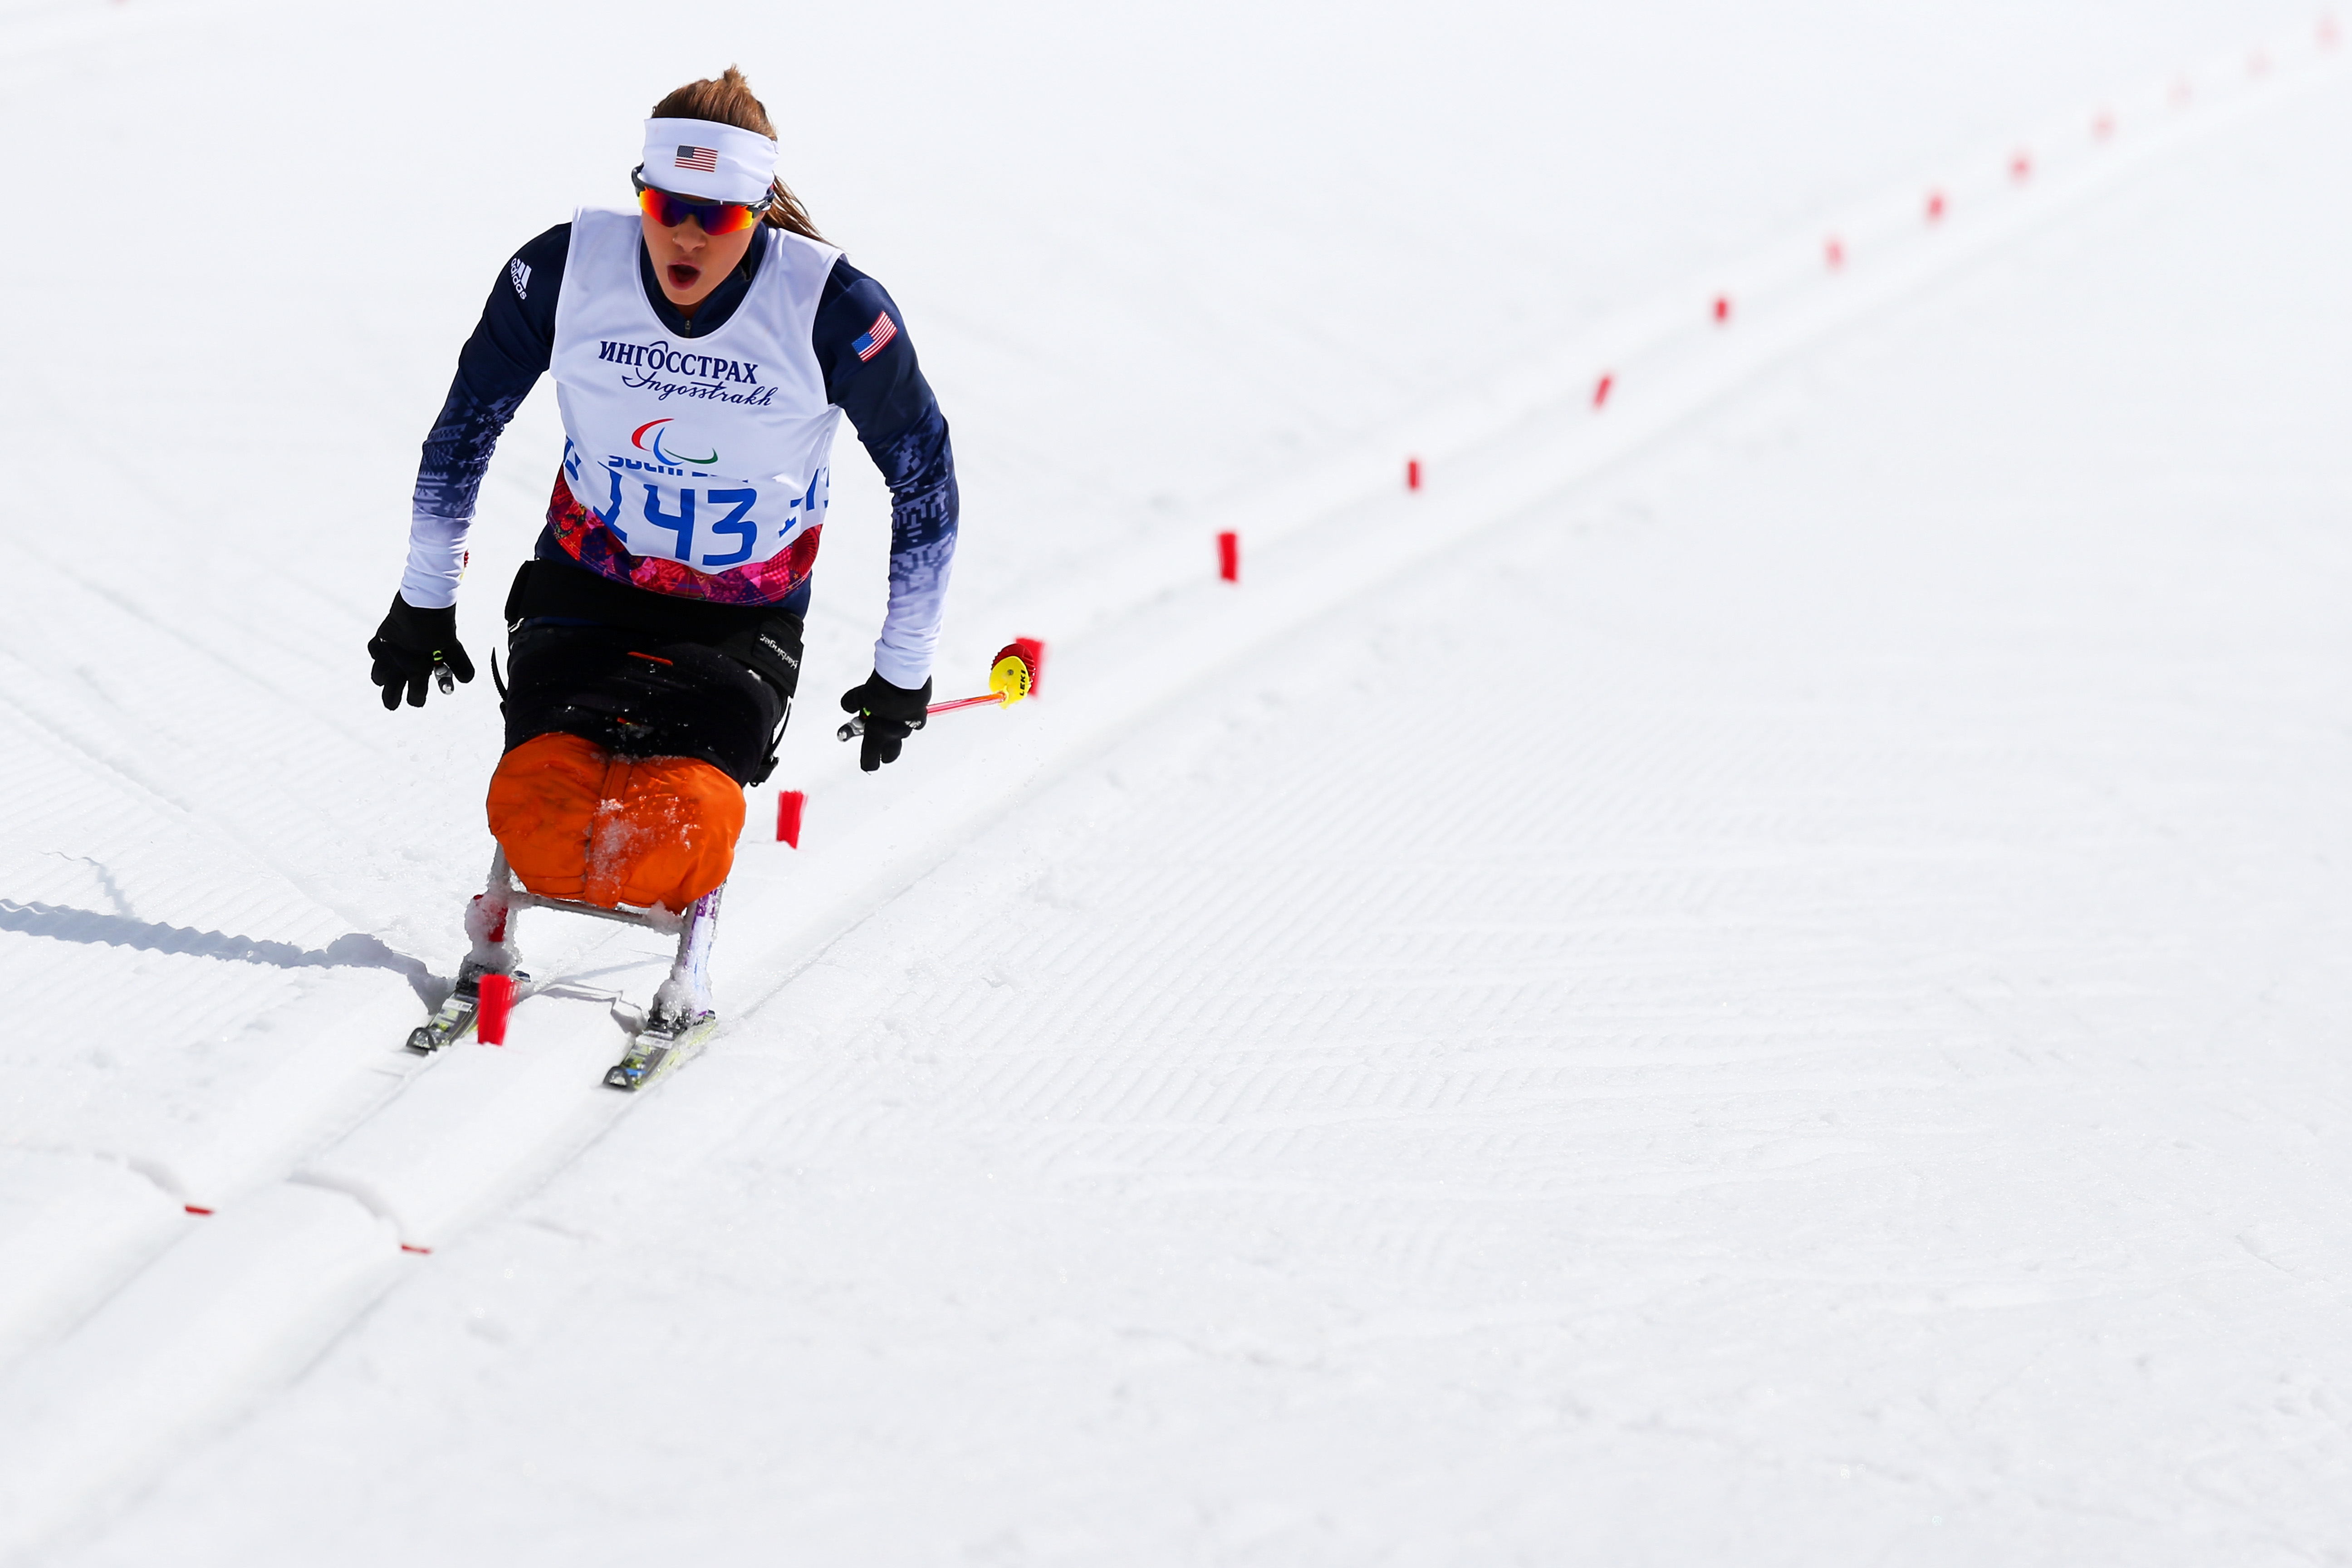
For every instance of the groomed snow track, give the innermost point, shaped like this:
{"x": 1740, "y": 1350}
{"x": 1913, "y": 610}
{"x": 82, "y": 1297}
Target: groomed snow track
{"x": 185, "y": 1269}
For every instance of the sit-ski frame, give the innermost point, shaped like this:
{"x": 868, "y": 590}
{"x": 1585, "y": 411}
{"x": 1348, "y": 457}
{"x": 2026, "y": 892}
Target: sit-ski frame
{"x": 680, "y": 1001}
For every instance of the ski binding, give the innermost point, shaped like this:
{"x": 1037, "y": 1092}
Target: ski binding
{"x": 453, "y": 1019}
{"x": 668, "y": 1040}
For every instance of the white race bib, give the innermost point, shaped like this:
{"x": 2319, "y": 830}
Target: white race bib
{"x": 709, "y": 451}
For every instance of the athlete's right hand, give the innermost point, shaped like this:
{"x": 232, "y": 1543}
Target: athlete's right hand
{"x": 409, "y": 646}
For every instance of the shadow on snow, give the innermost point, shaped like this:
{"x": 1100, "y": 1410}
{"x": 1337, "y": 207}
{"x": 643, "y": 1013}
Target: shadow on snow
{"x": 353, "y": 952}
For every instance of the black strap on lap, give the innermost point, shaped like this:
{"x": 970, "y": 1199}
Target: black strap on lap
{"x": 762, "y": 637}
{"x": 761, "y": 640}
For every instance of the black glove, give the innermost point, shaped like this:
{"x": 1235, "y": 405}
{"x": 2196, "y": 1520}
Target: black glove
{"x": 407, "y": 647}
{"x": 885, "y": 716}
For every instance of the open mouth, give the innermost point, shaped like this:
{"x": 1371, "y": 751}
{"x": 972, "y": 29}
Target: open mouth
{"x": 682, "y": 276}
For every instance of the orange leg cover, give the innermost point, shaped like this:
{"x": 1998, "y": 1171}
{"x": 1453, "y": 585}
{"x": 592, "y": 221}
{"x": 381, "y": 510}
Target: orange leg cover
{"x": 578, "y": 823}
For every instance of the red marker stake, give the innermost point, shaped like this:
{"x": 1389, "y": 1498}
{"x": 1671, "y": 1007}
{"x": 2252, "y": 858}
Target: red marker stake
{"x": 1229, "y": 556}
{"x": 788, "y": 803}
{"x": 1601, "y": 391}
{"x": 2021, "y": 167}
{"x": 1935, "y": 206}
{"x": 1723, "y": 306}
{"x": 497, "y": 1000}
{"x": 1834, "y": 251}
{"x": 1412, "y": 473}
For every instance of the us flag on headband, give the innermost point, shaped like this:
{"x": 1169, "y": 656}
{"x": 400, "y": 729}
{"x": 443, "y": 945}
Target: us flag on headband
{"x": 702, "y": 159}
{"x": 878, "y": 334}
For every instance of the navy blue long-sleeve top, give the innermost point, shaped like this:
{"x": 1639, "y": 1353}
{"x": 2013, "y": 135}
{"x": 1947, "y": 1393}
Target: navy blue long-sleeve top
{"x": 886, "y": 399}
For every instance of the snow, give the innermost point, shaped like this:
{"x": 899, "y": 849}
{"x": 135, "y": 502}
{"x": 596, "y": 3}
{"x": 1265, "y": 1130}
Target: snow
{"x": 1745, "y": 976}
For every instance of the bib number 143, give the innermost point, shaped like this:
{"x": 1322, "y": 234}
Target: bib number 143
{"x": 721, "y": 517}
{"x": 721, "y": 513}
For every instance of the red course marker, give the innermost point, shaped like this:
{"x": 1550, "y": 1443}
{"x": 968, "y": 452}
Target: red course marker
{"x": 1412, "y": 473}
{"x": 2022, "y": 167}
{"x": 1935, "y": 206}
{"x": 1835, "y": 251}
{"x": 1723, "y": 306}
{"x": 1601, "y": 392}
{"x": 788, "y": 816}
{"x": 1229, "y": 556}
{"x": 497, "y": 1000}
{"x": 192, "y": 1208}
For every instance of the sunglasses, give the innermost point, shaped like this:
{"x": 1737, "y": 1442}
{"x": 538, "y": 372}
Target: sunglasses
{"x": 716, "y": 218}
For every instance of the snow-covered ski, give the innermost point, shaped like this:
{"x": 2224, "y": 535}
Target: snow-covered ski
{"x": 668, "y": 1041}
{"x": 453, "y": 1019}
{"x": 682, "y": 1016}
{"x": 492, "y": 953}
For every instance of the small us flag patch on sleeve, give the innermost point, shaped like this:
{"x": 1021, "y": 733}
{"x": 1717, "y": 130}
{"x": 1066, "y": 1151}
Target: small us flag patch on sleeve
{"x": 877, "y": 337}
{"x": 702, "y": 160}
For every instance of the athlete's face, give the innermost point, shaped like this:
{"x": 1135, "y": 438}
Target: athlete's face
{"x": 690, "y": 263}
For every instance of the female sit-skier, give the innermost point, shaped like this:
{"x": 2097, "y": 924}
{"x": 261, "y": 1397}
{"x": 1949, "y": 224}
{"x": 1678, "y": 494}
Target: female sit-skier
{"x": 704, "y": 347}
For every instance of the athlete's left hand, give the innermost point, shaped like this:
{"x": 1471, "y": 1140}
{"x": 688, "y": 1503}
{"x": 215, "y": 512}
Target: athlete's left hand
{"x": 886, "y": 715}
{"x": 410, "y": 645}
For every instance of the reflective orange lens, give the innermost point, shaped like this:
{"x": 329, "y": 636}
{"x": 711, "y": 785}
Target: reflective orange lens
{"x": 716, "y": 218}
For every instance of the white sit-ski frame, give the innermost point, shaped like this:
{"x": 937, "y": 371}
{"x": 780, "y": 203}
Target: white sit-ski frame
{"x": 686, "y": 995}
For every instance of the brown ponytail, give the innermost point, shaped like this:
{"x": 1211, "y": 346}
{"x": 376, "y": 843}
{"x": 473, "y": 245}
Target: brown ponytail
{"x": 728, "y": 100}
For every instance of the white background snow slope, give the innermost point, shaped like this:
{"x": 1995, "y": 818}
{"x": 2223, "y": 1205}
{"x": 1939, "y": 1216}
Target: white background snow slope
{"x": 1752, "y": 976}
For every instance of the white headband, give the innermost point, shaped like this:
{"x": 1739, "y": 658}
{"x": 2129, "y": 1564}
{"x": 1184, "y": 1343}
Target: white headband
{"x": 704, "y": 158}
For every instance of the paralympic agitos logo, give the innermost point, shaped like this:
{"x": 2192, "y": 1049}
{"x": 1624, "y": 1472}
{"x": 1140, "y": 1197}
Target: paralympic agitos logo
{"x": 710, "y": 377}
{"x": 661, "y": 454}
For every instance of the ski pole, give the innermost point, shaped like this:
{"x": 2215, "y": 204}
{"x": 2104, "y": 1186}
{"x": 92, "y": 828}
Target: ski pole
{"x": 1011, "y": 678}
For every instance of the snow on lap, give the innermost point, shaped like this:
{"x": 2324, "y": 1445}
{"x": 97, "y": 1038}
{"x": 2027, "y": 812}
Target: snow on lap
{"x": 1780, "y": 1010}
